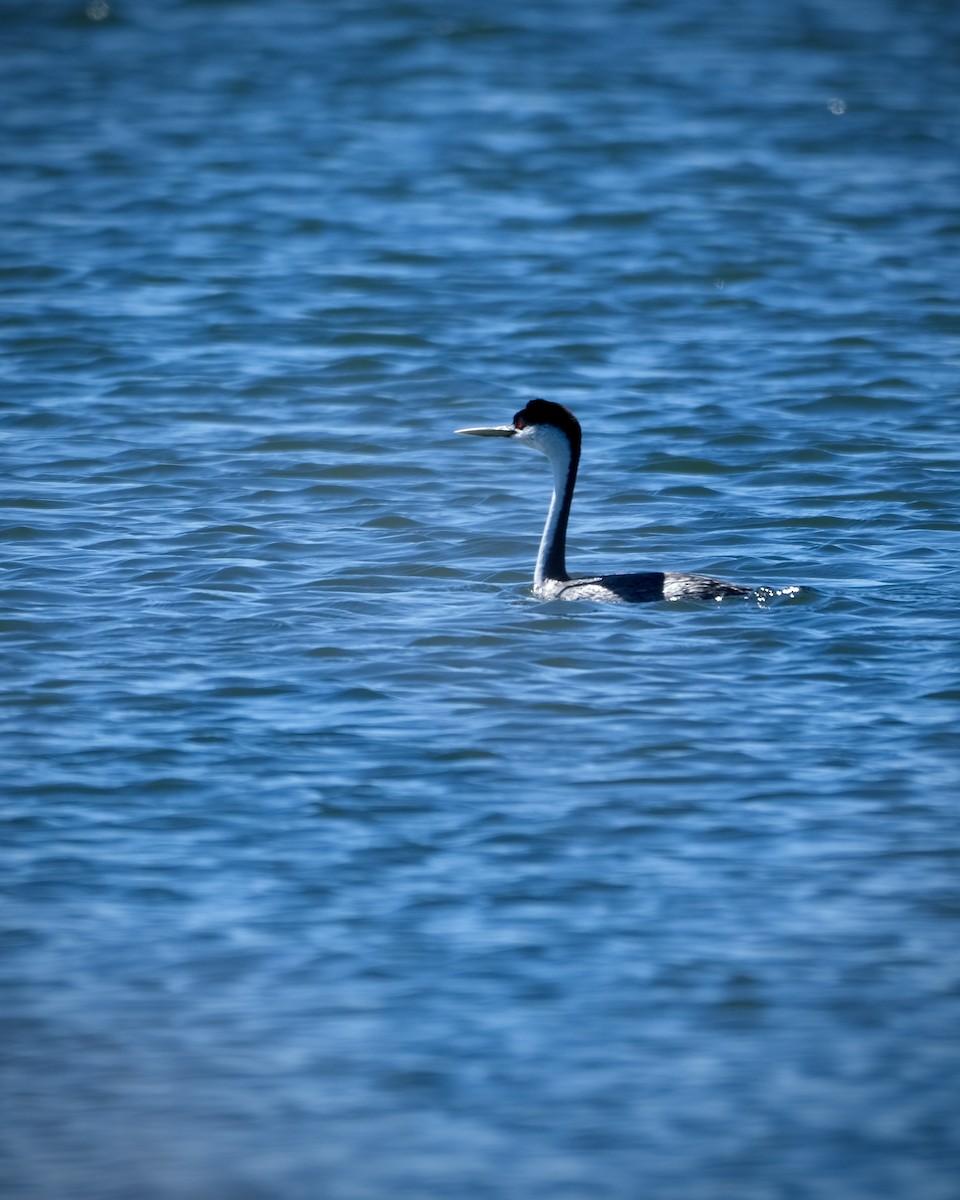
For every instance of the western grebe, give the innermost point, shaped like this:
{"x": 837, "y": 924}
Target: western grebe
{"x": 555, "y": 432}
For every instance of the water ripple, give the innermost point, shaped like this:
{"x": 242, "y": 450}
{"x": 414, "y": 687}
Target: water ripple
{"x": 334, "y": 860}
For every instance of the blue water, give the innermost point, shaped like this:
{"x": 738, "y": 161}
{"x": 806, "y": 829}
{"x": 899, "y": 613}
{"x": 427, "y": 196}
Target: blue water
{"x": 337, "y": 867}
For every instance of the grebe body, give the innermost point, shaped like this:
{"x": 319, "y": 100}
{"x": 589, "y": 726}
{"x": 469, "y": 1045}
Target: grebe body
{"x": 555, "y": 432}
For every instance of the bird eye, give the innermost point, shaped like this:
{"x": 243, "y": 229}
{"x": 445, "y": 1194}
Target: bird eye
{"x": 519, "y": 422}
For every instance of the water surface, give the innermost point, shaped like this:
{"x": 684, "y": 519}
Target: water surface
{"x": 335, "y": 864}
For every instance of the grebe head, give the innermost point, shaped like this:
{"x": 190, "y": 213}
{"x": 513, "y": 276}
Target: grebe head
{"x": 542, "y": 425}
{"x": 548, "y": 427}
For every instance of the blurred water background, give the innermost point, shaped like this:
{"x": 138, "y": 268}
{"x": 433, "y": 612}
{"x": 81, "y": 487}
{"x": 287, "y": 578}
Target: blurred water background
{"x": 335, "y": 865}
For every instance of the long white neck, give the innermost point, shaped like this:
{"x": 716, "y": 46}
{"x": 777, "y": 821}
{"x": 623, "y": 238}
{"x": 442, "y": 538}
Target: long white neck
{"x": 551, "y": 563}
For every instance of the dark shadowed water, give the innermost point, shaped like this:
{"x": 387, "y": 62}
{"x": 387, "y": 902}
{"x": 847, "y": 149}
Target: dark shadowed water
{"x": 336, "y": 866}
